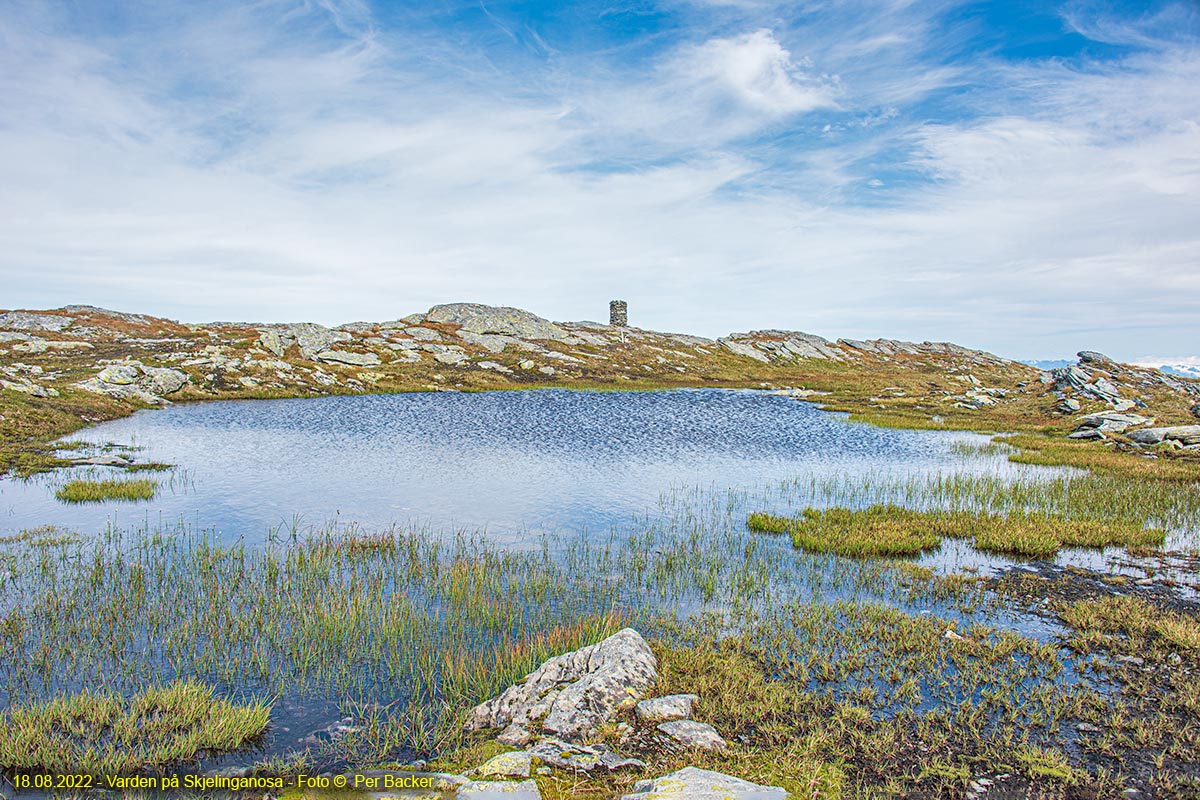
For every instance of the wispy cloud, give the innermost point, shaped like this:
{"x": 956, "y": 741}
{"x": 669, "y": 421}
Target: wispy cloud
{"x": 852, "y": 168}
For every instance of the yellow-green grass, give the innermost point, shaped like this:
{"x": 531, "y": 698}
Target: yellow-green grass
{"x": 1047, "y": 450}
{"x": 1136, "y": 619}
{"x": 88, "y": 491}
{"x": 102, "y": 733}
{"x": 889, "y": 530}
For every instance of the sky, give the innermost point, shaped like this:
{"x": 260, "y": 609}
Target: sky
{"x": 1018, "y": 176}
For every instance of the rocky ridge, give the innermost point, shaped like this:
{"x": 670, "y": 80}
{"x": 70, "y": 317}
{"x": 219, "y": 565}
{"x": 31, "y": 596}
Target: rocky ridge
{"x": 96, "y": 363}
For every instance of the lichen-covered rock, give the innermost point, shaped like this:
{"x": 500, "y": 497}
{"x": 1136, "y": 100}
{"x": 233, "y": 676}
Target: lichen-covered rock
{"x": 310, "y": 337}
{"x": 346, "y": 357}
{"x": 516, "y": 764}
{"x": 131, "y": 380}
{"x": 692, "y": 783}
{"x": 24, "y": 321}
{"x": 693, "y": 735}
{"x": 582, "y": 757}
{"x": 1112, "y": 421}
{"x": 477, "y": 318}
{"x": 499, "y": 790}
{"x": 665, "y": 709}
{"x": 570, "y": 695}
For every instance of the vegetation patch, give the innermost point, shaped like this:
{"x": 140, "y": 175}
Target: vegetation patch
{"x": 888, "y": 530}
{"x": 103, "y": 733}
{"x": 87, "y": 491}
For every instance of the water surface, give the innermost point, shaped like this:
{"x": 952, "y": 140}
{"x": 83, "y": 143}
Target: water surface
{"x": 515, "y": 464}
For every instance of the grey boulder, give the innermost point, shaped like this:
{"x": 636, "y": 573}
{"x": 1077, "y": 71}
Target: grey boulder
{"x": 572, "y": 694}
{"x": 499, "y": 790}
{"x": 693, "y": 735}
{"x": 581, "y": 757}
{"x": 665, "y": 709}
{"x": 692, "y": 783}
{"x": 1184, "y": 434}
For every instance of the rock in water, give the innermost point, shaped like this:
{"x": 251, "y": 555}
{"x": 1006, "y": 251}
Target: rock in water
{"x": 570, "y": 695}
{"x": 476, "y": 318}
{"x": 692, "y": 783}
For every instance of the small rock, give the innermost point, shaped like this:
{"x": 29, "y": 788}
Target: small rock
{"x": 952, "y": 636}
{"x": 692, "y": 734}
{"x": 665, "y": 709}
{"x": 451, "y": 357}
{"x": 1087, "y": 727}
{"x": 346, "y": 357}
{"x": 507, "y": 765}
{"x": 499, "y": 790}
{"x": 692, "y": 783}
{"x": 514, "y": 736}
{"x": 581, "y": 757}
{"x": 547, "y": 370}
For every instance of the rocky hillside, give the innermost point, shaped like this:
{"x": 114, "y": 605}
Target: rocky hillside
{"x": 65, "y": 368}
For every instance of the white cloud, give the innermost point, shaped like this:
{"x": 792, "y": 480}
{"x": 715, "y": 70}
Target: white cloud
{"x": 342, "y": 176}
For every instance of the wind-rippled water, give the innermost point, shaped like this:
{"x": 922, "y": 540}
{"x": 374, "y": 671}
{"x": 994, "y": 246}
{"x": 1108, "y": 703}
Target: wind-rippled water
{"x": 512, "y": 463}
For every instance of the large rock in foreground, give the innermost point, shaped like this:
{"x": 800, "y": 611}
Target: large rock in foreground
{"x": 570, "y": 695}
{"x": 691, "y": 783}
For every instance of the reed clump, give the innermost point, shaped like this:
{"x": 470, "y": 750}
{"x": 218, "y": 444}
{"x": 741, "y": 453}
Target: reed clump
{"x": 103, "y": 733}
{"x": 89, "y": 491}
{"x": 889, "y": 530}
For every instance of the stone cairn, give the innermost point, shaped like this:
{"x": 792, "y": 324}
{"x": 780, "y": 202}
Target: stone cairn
{"x": 618, "y": 313}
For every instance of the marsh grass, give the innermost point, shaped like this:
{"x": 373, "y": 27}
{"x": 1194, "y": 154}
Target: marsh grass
{"x": 103, "y": 733}
{"x": 887, "y": 530}
{"x": 99, "y": 491}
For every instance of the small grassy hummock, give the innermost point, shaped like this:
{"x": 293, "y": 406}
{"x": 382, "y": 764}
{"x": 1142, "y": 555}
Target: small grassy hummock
{"x": 889, "y": 530}
{"x": 102, "y": 733}
{"x": 876, "y": 531}
{"x": 99, "y": 491}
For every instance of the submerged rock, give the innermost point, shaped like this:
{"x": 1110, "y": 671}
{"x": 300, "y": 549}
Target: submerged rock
{"x": 570, "y": 695}
{"x": 692, "y": 783}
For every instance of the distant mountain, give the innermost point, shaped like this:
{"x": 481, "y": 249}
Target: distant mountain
{"x": 1047, "y": 364}
{"x": 1183, "y": 370}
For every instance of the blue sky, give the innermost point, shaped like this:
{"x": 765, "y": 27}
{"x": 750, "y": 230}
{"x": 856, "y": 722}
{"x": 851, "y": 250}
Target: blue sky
{"x": 1023, "y": 177}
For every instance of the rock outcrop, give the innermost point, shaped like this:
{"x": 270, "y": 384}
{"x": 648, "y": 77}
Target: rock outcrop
{"x": 476, "y": 318}
{"x": 571, "y": 695}
{"x": 132, "y": 380}
{"x": 309, "y": 337}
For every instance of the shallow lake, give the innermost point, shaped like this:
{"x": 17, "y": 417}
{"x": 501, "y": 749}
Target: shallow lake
{"x": 512, "y": 463}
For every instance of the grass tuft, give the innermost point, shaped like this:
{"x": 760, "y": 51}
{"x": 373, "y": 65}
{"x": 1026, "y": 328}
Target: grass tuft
{"x": 100, "y": 491}
{"x": 102, "y": 733}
